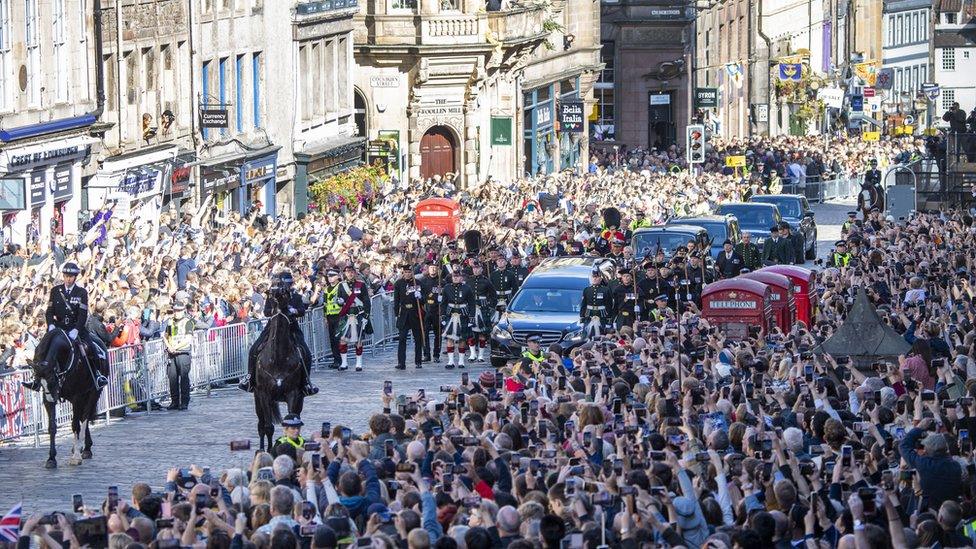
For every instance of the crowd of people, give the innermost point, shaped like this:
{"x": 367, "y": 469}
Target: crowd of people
{"x": 640, "y": 437}
{"x": 662, "y": 431}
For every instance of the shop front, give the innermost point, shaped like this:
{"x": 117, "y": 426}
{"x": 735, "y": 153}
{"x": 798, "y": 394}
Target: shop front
{"x": 319, "y": 163}
{"x": 50, "y": 175}
{"x": 258, "y": 184}
{"x": 238, "y": 181}
{"x": 135, "y": 181}
{"x": 539, "y": 137}
{"x": 571, "y": 123}
{"x": 178, "y": 195}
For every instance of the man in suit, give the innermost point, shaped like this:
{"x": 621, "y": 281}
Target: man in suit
{"x": 793, "y": 243}
{"x": 775, "y": 251}
{"x": 729, "y": 262}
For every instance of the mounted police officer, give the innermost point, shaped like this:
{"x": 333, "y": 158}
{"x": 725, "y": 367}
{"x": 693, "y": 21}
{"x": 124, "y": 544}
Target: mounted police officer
{"x": 282, "y": 300}
{"x": 67, "y": 310}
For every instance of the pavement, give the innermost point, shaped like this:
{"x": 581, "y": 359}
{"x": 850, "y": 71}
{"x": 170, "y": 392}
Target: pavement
{"x": 142, "y": 447}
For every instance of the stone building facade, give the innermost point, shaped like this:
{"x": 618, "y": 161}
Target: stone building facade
{"x": 49, "y": 100}
{"x": 461, "y": 92}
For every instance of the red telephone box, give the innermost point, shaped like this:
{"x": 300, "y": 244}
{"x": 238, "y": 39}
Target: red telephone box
{"x": 735, "y": 304}
{"x": 439, "y": 215}
{"x": 784, "y": 305}
{"x": 804, "y": 289}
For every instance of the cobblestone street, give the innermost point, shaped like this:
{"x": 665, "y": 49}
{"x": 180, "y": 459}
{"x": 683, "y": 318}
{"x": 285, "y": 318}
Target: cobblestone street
{"x": 141, "y": 447}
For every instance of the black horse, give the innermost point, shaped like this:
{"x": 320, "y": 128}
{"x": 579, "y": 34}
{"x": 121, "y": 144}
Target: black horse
{"x": 870, "y": 197}
{"x": 71, "y": 374}
{"x": 278, "y": 377}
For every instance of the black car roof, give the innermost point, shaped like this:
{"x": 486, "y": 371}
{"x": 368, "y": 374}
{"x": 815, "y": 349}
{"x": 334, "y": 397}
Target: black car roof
{"x": 675, "y": 228}
{"x": 562, "y": 272}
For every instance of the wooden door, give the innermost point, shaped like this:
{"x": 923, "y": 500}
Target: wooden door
{"x": 437, "y": 152}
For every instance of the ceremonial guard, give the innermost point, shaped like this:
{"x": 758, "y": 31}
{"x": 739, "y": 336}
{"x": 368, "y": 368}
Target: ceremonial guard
{"x": 648, "y": 287}
{"x": 355, "y": 302}
{"x": 671, "y": 283}
{"x": 596, "y": 308}
{"x": 457, "y": 310}
{"x": 625, "y": 299}
{"x": 407, "y": 299}
{"x": 430, "y": 288}
{"x": 333, "y": 320}
{"x": 505, "y": 284}
{"x": 699, "y": 275}
{"x": 518, "y": 271}
{"x": 485, "y": 299}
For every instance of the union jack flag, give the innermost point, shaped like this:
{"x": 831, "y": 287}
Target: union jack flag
{"x": 10, "y": 525}
{"x": 13, "y": 407}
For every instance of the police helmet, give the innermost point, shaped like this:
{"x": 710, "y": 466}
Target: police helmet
{"x": 70, "y": 269}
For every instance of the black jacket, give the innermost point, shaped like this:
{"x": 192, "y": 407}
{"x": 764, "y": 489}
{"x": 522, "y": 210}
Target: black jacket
{"x": 940, "y": 476}
{"x": 729, "y": 266}
{"x": 407, "y": 297}
{"x": 67, "y": 309}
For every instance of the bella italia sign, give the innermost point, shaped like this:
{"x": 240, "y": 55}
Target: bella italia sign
{"x": 571, "y": 116}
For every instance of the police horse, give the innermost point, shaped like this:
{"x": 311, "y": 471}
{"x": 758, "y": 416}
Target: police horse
{"x": 870, "y": 197}
{"x": 279, "y": 377}
{"x": 68, "y": 377}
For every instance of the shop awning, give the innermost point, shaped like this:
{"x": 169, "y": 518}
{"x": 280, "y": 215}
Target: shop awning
{"x": 19, "y": 159}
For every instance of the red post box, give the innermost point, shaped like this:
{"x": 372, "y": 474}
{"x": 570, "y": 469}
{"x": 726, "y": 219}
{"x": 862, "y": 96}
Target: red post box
{"x": 735, "y": 304}
{"x": 784, "y": 306}
{"x": 804, "y": 289}
{"x": 440, "y": 215}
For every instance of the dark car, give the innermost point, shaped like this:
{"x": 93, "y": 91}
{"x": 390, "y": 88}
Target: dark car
{"x": 667, "y": 238}
{"x": 547, "y": 304}
{"x": 796, "y": 211}
{"x": 753, "y": 218}
{"x": 720, "y": 228}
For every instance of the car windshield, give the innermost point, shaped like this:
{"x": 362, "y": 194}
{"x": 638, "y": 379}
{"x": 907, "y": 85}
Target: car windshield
{"x": 648, "y": 243}
{"x": 750, "y": 216}
{"x": 788, "y": 207}
{"x": 543, "y": 300}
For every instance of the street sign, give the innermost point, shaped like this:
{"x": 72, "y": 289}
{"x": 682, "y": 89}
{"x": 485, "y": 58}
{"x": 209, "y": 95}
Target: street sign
{"x": 706, "y": 98}
{"x": 909, "y": 120}
{"x": 831, "y": 97}
{"x": 571, "y": 116}
{"x": 868, "y": 92}
{"x": 931, "y": 91}
{"x": 738, "y": 161}
{"x": 857, "y": 103}
{"x": 214, "y": 118}
{"x": 871, "y": 136}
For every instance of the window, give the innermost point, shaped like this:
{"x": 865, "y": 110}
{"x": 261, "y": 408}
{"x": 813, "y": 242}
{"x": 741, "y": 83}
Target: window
{"x": 602, "y": 128}
{"x": 149, "y": 69}
{"x": 404, "y": 5}
{"x": 450, "y": 5}
{"x": 239, "y": 92}
{"x": 60, "y": 51}
{"x": 256, "y": 87}
{"x": 948, "y": 98}
{"x": 222, "y": 86}
{"x": 900, "y": 30}
{"x": 950, "y": 18}
{"x": 344, "y": 60}
{"x": 33, "y": 54}
{"x": 205, "y": 77}
{"x": 109, "y": 67}
{"x": 948, "y": 59}
{"x": 891, "y": 30}
{"x": 4, "y": 52}
{"x": 82, "y": 61}
{"x": 916, "y": 29}
{"x": 965, "y": 54}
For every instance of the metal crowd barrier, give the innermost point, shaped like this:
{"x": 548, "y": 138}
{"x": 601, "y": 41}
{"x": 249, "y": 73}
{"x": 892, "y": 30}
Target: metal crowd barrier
{"x": 831, "y": 189}
{"x": 137, "y": 373}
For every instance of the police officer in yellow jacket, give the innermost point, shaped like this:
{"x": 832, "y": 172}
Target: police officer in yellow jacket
{"x": 292, "y": 424}
{"x": 841, "y": 257}
{"x": 333, "y": 320}
{"x": 532, "y": 357}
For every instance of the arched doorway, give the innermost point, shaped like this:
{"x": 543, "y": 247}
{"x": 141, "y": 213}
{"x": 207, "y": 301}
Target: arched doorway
{"x": 359, "y": 113}
{"x": 438, "y": 152}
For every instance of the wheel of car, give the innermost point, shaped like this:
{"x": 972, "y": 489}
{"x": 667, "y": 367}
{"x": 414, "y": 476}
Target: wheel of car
{"x": 497, "y": 363}
{"x": 812, "y": 250}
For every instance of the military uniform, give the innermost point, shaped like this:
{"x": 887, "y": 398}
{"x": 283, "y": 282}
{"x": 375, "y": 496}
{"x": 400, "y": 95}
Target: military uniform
{"x": 354, "y": 299}
{"x": 505, "y": 285}
{"x": 750, "y": 254}
{"x": 457, "y": 309}
{"x": 647, "y": 289}
{"x": 485, "y": 299}
{"x": 596, "y": 308}
{"x": 430, "y": 291}
{"x": 407, "y": 300}
{"x": 626, "y": 308}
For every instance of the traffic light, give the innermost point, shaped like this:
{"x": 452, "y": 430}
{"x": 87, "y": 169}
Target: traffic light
{"x": 695, "y": 143}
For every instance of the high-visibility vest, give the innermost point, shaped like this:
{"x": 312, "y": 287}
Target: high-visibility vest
{"x": 536, "y": 359}
{"x": 331, "y": 307}
{"x": 299, "y": 443}
{"x": 841, "y": 260}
